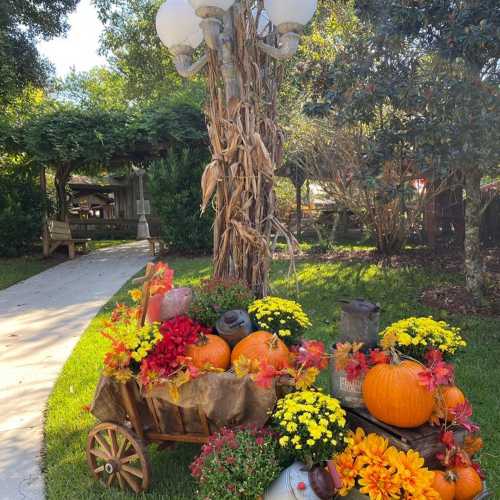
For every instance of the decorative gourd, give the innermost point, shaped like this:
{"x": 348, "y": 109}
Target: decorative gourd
{"x": 444, "y": 484}
{"x": 468, "y": 483}
{"x": 263, "y": 346}
{"x": 451, "y": 397}
{"x": 210, "y": 350}
{"x": 393, "y": 394}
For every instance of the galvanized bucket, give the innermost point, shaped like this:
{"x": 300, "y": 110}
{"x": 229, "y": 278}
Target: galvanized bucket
{"x": 348, "y": 392}
{"x": 359, "y": 322}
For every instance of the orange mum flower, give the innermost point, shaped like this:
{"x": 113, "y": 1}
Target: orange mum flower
{"x": 348, "y": 469}
{"x": 373, "y": 450}
{"x": 412, "y": 474}
{"x": 379, "y": 483}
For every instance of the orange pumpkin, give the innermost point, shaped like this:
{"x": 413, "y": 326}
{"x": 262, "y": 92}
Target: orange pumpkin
{"x": 444, "y": 484}
{"x": 393, "y": 394}
{"x": 468, "y": 483}
{"x": 451, "y": 397}
{"x": 263, "y": 346}
{"x": 210, "y": 350}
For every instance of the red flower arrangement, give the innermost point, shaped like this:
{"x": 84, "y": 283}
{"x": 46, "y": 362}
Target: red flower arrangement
{"x": 167, "y": 357}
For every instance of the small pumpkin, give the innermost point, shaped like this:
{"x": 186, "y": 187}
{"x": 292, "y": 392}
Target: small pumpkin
{"x": 444, "y": 484}
{"x": 263, "y": 346}
{"x": 451, "y": 397}
{"x": 393, "y": 394}
{"x": 210, "y": 350}
{"x": 468, "y": 483}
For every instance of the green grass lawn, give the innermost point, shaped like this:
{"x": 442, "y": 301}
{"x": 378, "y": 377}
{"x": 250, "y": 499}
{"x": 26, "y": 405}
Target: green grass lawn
{"x": 17, "y": 269}
{"x": 98, "y": 244}
{"x": 321, "y": 286}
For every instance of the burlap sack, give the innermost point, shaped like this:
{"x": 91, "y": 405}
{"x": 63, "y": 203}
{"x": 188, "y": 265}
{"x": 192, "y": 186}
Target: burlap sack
{"x": 224, "y": 398}
{"x": 107, "y": 404}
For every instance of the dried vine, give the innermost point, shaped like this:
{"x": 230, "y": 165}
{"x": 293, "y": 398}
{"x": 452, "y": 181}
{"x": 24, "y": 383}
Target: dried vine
{"x": 246, "y": 148}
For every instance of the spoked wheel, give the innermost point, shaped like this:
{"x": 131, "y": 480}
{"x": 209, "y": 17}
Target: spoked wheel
{"x": 117, "y": 458}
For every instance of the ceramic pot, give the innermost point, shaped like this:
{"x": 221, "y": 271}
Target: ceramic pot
{"x": 233, "y": 326}
{"x": 297, "y": 483}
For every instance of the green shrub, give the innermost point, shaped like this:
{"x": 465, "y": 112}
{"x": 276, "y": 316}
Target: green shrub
{"x": 214, "y": 297}
{"x": 21, "y": 209}
{"x": 176, "y": 196}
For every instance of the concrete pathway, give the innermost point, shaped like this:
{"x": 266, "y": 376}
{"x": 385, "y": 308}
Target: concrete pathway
{"x": 41, "y": 319}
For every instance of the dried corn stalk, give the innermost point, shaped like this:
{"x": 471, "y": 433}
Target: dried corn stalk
{"x": 246, "y": 148}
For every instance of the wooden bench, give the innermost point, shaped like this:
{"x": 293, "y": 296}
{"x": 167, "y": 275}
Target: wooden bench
{"x": 59, "y": 233}
{"x": 154, "y": 242}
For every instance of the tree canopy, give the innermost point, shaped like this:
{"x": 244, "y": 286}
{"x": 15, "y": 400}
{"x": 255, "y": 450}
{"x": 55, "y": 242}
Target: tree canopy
{"x": 22, "y": 23}
{"x": 71, "y": 139}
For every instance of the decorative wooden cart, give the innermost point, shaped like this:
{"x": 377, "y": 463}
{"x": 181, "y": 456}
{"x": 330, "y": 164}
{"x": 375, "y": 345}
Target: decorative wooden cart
{"x": 117, "y": 453}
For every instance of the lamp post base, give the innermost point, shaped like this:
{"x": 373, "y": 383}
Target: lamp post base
{"x": 143, "y": 228}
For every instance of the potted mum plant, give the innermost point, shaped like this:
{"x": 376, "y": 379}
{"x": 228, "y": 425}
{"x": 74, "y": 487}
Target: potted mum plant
{"x": 312, "y": 429}
{"x": 236, "y": 463}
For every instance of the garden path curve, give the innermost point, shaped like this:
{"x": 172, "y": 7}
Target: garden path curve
{"x": 41, "y": 319}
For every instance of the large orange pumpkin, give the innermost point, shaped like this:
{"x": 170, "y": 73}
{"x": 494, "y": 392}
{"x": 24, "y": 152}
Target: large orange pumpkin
{"x": 444, "y": 484}
{"x": 468, "y": 483}
{"x": 210, "y": 350}
{"x": 393, "y": 394}
{"x": 263, "y": 346}
{"x": 451, "y": 397}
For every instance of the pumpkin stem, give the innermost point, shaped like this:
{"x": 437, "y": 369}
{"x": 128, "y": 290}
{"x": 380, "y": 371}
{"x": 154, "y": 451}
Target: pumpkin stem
{"x": 273, "y": 341}
{"x": 450, "y": 476}
{"x": 395, "y": 358}
{"x": 202, "y": 340}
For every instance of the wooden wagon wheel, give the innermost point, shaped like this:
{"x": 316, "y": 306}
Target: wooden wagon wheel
{"x": 117, "y": 458}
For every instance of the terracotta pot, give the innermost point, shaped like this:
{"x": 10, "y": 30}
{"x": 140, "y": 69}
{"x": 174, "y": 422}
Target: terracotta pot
{"x": 163, "y": 307}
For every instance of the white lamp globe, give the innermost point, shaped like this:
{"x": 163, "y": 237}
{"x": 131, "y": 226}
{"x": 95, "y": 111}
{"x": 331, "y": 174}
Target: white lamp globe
{"x": 177, "y": 24}
{"x": 290, "y": 11}
{"x": 220, "y": 4}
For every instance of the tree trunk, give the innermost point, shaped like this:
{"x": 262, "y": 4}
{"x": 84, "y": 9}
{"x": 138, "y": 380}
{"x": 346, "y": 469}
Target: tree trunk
{"x": 298, "y": 201}
{"x": 61, "y": 179}
{"x": 474, "y": 278}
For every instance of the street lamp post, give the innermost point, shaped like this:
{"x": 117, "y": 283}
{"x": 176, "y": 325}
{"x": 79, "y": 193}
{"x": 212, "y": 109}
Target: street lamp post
{"x": 142, "y": 223}
{"x": 245, "y": 41}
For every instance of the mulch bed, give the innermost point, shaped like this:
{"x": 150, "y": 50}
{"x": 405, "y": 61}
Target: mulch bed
{"x": 456, "y": 299}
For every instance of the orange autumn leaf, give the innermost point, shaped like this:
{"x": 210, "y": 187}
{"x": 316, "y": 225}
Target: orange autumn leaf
{"x": 343, "y": 352}
{"x": 244, "y": 366}
{"x": 473, "y": 444}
